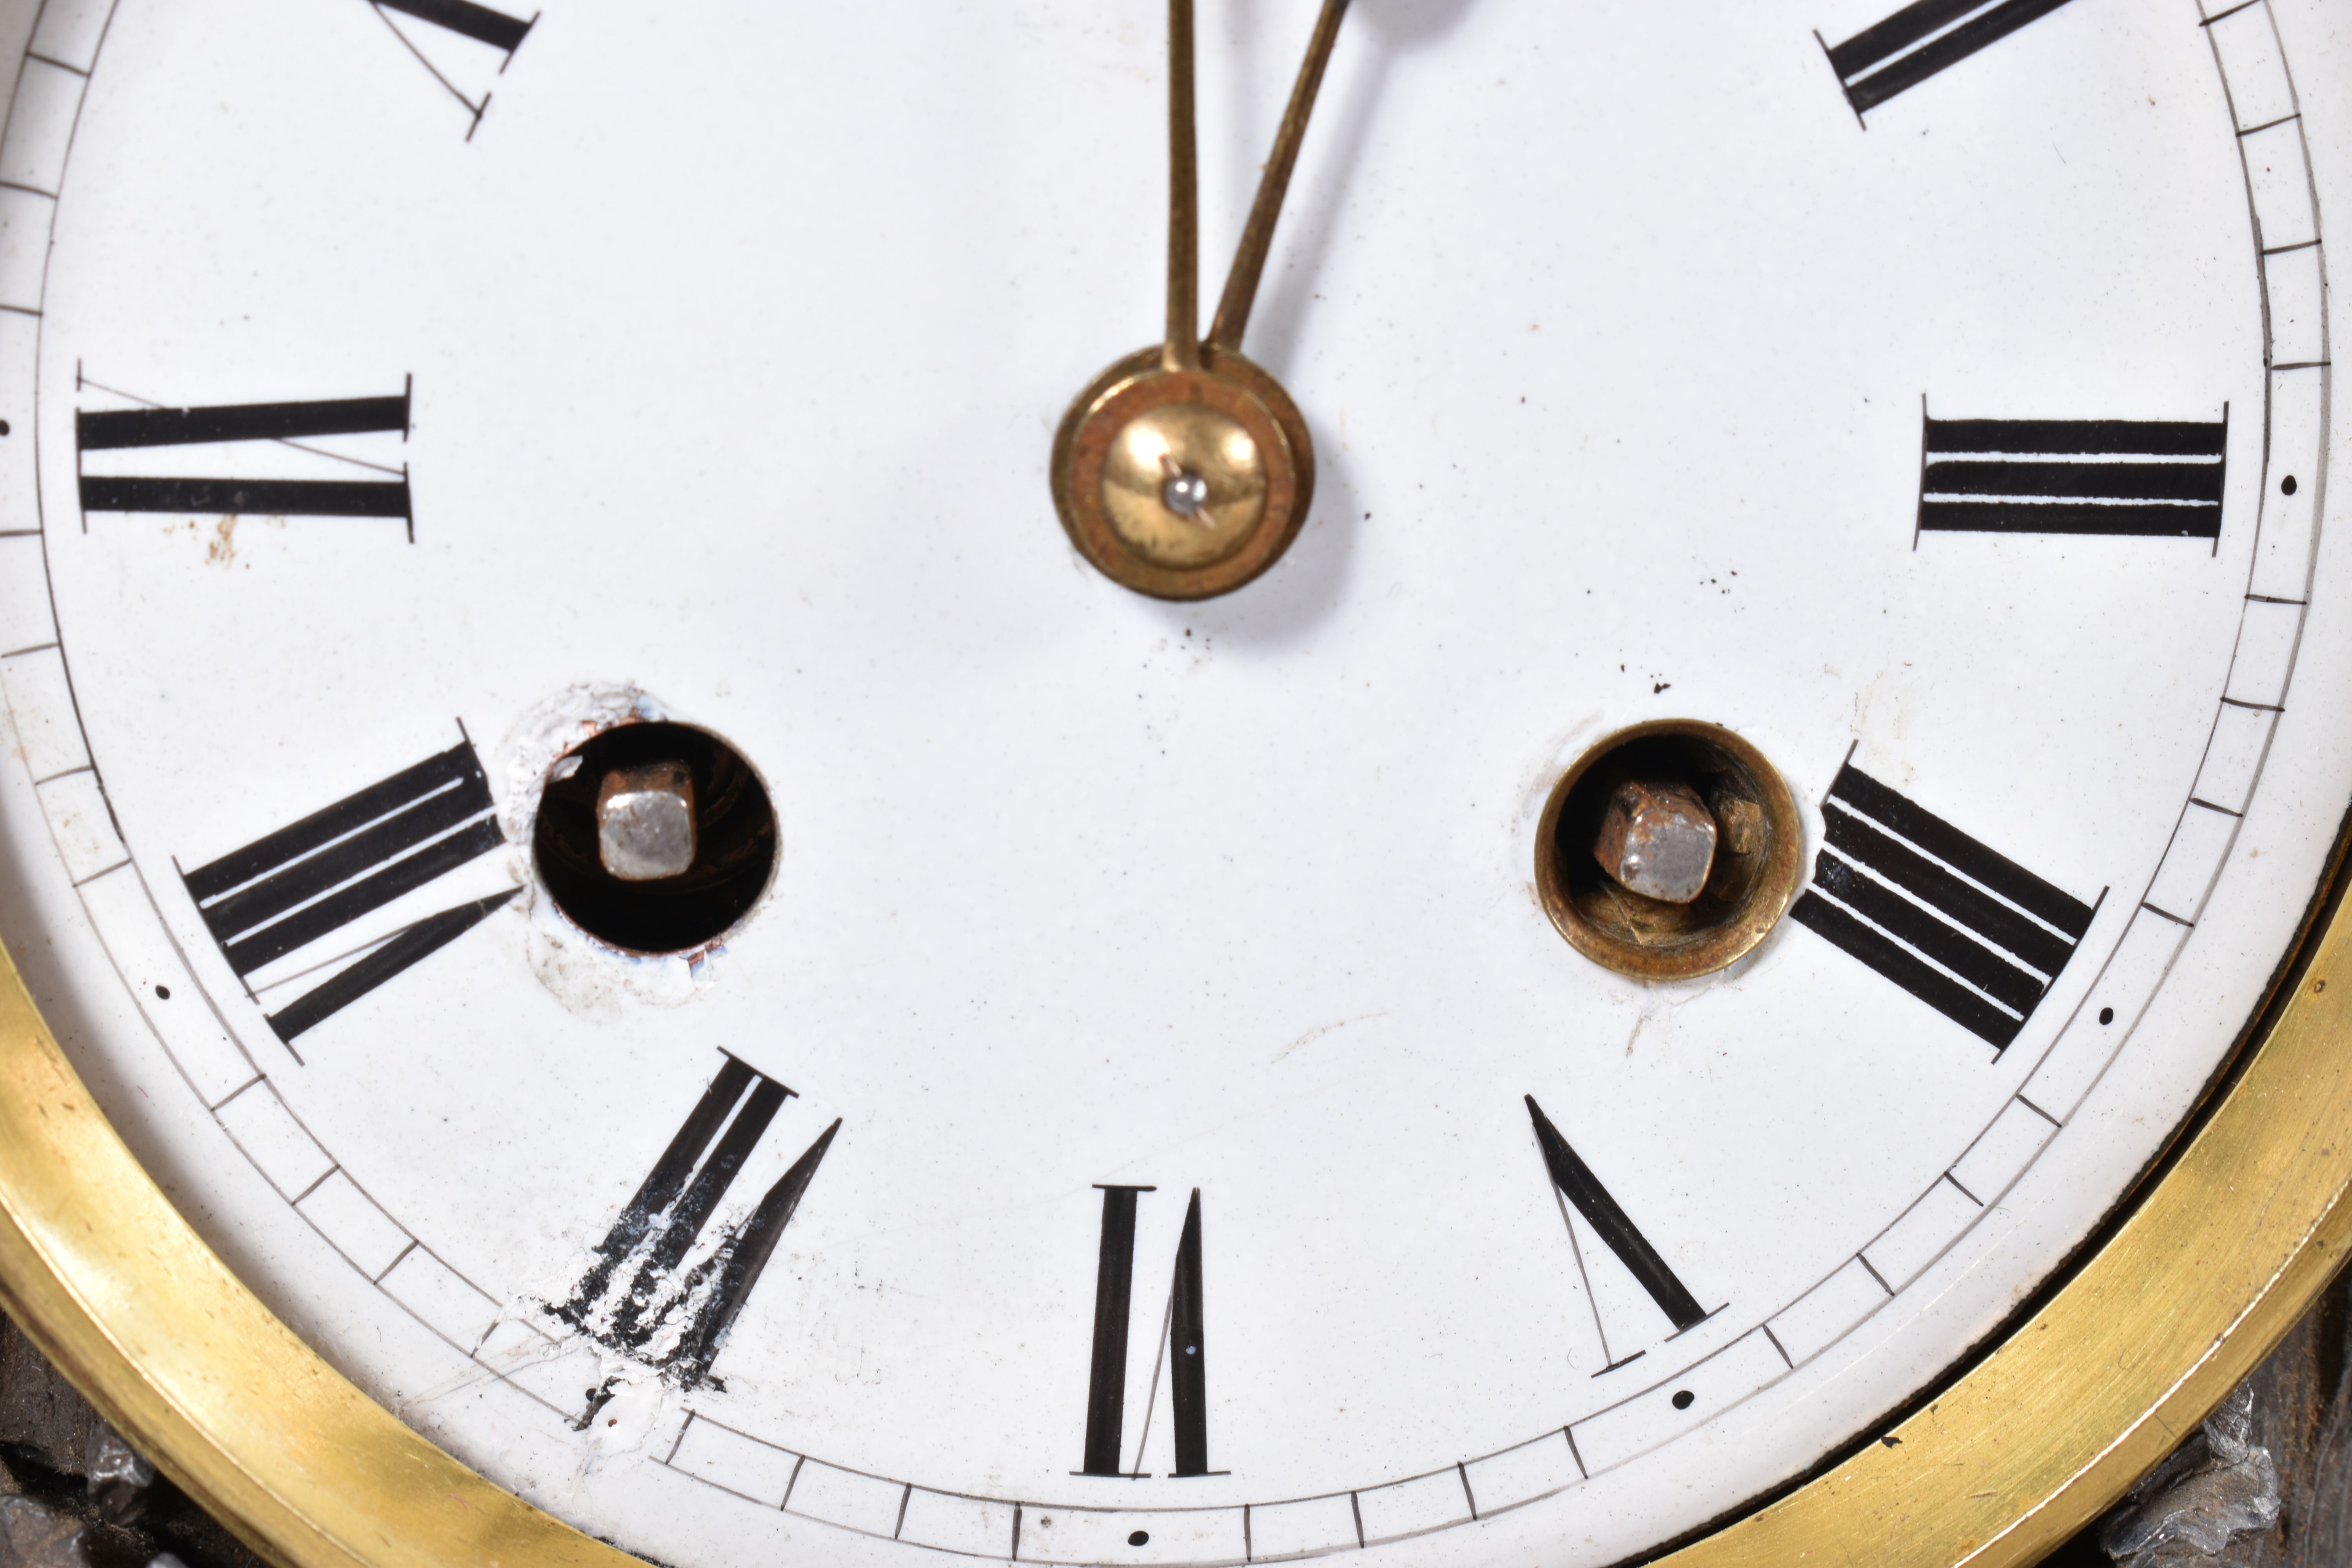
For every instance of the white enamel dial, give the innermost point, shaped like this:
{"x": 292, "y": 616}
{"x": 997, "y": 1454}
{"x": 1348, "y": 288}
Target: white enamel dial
{"x": 401, "y": 396}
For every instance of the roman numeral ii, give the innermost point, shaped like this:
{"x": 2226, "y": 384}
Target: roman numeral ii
{"x": 1188, "y": 1385}
{"x": 1922, "y": 39}
{"x": 1974, "y": 935}
{"x": 2159, "y": 478}
{"x": 639, "y": 1290}
{"x": 305, "y": 883}
{"x": 1577, "y": 1185}
{"x": 115, "y": 429}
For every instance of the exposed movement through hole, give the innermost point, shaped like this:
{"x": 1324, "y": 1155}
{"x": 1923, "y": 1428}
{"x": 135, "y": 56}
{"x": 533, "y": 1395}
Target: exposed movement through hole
{"x": 1668, "y": 851}
{"x": 655, "y": 837}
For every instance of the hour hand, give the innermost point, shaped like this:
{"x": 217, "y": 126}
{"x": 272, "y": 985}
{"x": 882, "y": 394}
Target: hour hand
{"x": 1185, "y": 470}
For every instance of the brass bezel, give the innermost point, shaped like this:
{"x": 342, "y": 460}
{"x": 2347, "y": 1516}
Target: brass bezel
{"x": 1747, "y": 916}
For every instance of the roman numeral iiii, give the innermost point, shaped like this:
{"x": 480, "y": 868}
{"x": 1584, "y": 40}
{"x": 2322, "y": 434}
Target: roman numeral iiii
{"x": 1922, "y": 39}
{"x": 640, "y": 1291}
{"x": 305, "y": 883}
{"x": 1974, "y": 935}
{"x": 2157, "y": 478}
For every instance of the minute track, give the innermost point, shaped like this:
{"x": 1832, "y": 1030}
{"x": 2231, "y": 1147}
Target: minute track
{"x": 907, "y": 1508}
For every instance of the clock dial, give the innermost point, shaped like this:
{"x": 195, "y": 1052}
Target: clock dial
{"x": 653, "y": 901}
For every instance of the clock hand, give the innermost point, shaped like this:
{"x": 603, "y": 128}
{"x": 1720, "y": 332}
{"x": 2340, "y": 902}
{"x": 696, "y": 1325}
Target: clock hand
{"x": 1184, "y": 348}
{"x": 1257, "y": 235}
{"x": 1185, "y": 470}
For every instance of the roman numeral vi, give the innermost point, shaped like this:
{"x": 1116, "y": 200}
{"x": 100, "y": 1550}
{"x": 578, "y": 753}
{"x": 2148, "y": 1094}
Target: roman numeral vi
{"x": 1922, "y": 39}
{"x": 1974, "y": 935}
{"x": 305, "y": 882}
{"x": 1187, "y": 1385}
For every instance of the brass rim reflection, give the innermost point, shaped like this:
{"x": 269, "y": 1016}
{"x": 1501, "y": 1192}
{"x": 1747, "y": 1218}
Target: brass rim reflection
{"x": 1257, "y": 506}
{"x": 1748, "y": 891}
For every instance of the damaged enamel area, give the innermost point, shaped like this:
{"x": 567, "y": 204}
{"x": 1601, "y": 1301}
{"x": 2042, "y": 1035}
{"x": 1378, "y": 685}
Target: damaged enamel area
{"x": 540, "y": 760}
{"x": 661, "y": 1291}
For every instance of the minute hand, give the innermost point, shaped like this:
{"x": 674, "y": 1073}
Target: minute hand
{"x": 1258, "y": 237}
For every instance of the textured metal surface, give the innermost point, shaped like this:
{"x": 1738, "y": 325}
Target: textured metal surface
{"x": 645, "y": 822}
{"x": 73, "y": 1494}
{"x": 1657, "y": 839}
{"x": 2218, "y": 1486}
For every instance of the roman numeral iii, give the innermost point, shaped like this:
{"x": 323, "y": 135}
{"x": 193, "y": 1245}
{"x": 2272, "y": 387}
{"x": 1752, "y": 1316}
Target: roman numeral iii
{"x": 640, "y": 1291}
{"x": 1922, "y": 39}
{"x": 105, "y": 430}
{"x": 2159, "y": 478}
{"x": 1974, "y": 936}
{"x": 305, "y": 883}
{"x": 1188, "y": 1396}
{"x": 1577, "y": 1186}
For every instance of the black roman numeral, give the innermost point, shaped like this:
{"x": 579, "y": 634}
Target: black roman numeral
{"x": 101, "y": 430}
{"x": 1920, "y": 40}
{"x": 466, "y": 20}
{"x": 1188, "y": 1382}
{"x": 1999, "y": 933}
{"x": 480, "y": 23}
{"x": 2159, "y": 477}
{"x": 639, "y": 1290}
{"x": 305, "y": 882}
{"x": 1574, "y": 1181}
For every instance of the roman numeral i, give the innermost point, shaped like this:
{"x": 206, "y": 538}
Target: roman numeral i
{"x": 639, "y": 1290}
{"x": 1974, "y": 935}
{"x": 2154, "y": 477}
{"x": 307, "y": 882}
{"x": 1181, "y": 1333}
{"x": 117, "y": 429}
{"x": 1922, "y": 39}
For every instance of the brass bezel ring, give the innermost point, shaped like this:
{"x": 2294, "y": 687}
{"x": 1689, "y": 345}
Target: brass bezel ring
{"x": 1746, "y": 896}
{"x": 1225, "y": 382}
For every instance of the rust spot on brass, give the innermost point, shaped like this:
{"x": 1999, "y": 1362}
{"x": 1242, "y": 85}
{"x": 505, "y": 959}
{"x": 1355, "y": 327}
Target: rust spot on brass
{"x": 1657, "y": 838}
